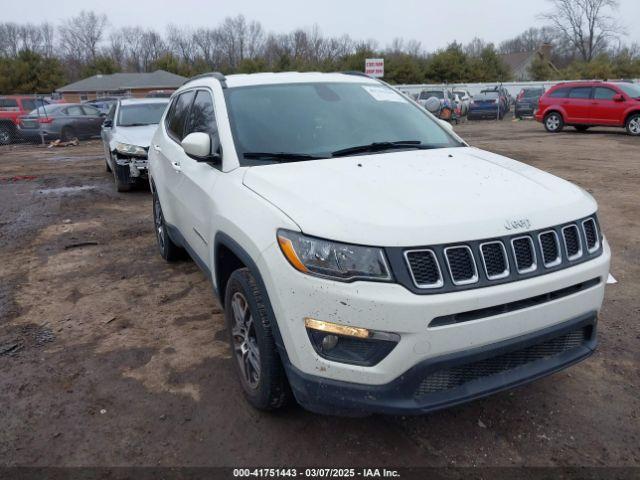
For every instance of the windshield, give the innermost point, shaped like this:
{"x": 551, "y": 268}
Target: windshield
{"x": 630, "y": 89}
{"x": 141, "y": 114}
{"x": 320, "y": 118}
{"x": 432, "y": 93}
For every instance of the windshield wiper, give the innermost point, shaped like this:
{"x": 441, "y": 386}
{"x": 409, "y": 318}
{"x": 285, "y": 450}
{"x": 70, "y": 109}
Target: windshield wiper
{"x": 136, "y": 124}
{"x": 284, "y": 156}
{"x": 380, "y": 146}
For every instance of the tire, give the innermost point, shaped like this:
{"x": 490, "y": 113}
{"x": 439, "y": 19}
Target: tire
{"x": 633, "y": 125}
{"x": 6, "y": 135}
{"x": 253, "y": 348}
{"x": 581, "y": 128}
{"x": 553, "y": 122}
{"x": 67, "y": 134}
{"x": 168, "y": 249}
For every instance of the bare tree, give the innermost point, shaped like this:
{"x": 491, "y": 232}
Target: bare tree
{"x": 586, "y": 25}
{"x": 80, "y": 35}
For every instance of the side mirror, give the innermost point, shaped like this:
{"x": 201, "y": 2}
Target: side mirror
{"x": 446, "y": 124}
{"x": 618, "y": 97}
{"x": 107, "y": 124}
{"x": 200, "y": 145}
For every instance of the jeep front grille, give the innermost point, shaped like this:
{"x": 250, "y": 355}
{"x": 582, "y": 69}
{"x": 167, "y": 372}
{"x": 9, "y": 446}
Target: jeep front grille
{"x": 481, "y": 263}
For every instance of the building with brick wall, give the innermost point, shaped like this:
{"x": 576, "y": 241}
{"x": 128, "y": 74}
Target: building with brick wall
{"x": 120, "y": 85}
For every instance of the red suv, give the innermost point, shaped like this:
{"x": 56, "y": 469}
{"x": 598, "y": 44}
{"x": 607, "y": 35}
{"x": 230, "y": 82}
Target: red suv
{"x": 12, "y": 107}
{"x": 588, "y": 104}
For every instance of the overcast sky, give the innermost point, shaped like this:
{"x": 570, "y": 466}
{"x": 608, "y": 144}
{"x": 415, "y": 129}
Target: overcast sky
{"x": 433, "y": 23}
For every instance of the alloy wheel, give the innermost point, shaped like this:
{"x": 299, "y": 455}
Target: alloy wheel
{"x": 553, "y": 122}
{"x": 634, "y": 126}
{"x": 245, "y": 342}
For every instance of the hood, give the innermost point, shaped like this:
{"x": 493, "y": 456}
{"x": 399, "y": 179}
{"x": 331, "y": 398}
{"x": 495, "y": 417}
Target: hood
{"x": 418, "y": 197}
{"x": 140, "y": 136}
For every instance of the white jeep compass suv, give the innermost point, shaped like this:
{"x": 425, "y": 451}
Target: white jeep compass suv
{"x": 368, "y": 259}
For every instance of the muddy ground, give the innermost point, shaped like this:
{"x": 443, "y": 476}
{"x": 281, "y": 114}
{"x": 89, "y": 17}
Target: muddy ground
{"x": 109, "y": 356}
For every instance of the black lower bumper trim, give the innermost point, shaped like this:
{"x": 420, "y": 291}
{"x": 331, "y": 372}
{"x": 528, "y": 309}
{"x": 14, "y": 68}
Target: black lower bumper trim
{"x": 404, "y": 395}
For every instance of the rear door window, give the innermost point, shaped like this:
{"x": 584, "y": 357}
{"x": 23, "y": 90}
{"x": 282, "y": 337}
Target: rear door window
{"x": 94, "y": 112}
{"x": 8, "y": 104}
{"x": 75, "y": 111}
{"x": 176, "y": 119}
{"x": 560, "y": 93}
{"x": 603, "y": 93}
{"x": 580, "y": 92}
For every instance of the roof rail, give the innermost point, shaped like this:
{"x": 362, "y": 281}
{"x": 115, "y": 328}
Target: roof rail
{"x": 357, "y": 73}
{"x": 217, "y": 75}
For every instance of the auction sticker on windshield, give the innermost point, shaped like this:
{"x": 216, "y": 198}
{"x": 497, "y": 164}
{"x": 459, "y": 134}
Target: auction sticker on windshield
{"x": 383, "y": 94}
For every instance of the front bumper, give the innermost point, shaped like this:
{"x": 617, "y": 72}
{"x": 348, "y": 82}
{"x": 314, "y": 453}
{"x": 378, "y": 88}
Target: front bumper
{"x": 456, "y": 378}
{"x": 134, "y": 167}
{"x": 390, "y": 307}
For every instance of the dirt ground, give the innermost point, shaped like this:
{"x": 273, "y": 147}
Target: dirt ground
{"x": 109, "y": 356}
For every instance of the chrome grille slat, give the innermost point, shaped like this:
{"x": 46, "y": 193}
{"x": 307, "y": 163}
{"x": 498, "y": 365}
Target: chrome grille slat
{"x": 524, "y": 254}
{"x": 462, "y": 264}
{"x": 494, "y": 259}
{"x": 550, "y": 248}
{"x": 572, "y": 242}
{"x": 424, "y": 268}
{"x": 591, "y": 234}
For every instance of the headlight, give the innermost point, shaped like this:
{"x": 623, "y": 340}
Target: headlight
{"x": 126, "y": 149}
{"x": 339, "y": 261}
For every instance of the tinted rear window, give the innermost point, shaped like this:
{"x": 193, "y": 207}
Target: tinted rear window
{"x": 486, "y": 96}
{"x": 560, "y": 93}
{"x": 580, "y": 92}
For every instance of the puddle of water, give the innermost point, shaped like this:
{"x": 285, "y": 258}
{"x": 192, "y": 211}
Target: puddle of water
{"x": 63, "y": 190}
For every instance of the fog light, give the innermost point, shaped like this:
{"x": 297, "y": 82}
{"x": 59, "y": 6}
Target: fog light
{"x": 345, "y": 344}
{"x": 329, "y": 342}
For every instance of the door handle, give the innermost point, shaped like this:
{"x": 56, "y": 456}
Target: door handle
{"x": 157, "y": 148}
{"x": 176, "y": 166}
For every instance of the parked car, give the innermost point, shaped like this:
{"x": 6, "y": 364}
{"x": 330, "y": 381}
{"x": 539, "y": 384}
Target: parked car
{"x": 159, "y": 93}
{"x": 503, "y": 94}
{"x": 486, "y": 105}
{"x": 12, "y": 107}
{"x": 63, "y": 121}
{"x": 126, "y": 136}
{"x": 446, "y": 109}
{"x": 366, "y": 258}
{"x": 588, "y": 104}
{"x": 465, "y": 100}
{"x": 102, "y": 104}
{"x": 527, "y": 101}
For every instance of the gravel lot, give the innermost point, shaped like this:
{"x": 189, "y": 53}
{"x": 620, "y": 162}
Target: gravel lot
{"x": 109, "y": 356}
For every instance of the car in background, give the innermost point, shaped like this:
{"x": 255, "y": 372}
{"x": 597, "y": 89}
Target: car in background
{"x": 12, "y": 107}
{"x": 465, "y": 100}
{"x": 64, "y": 121}
{"x": 159, "y": 93}
{"x": 126, "y": 136}
{"x": 591, "y": 103}
{"x": 486, "y": 105}
{"x": 446, "y": 109}
{"x": 102, "y": 104}
{"x": 503, "y": 94}
{"x": 527, "y": 101}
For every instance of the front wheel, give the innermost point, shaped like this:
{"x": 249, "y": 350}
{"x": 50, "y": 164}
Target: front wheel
{"x": 633, "y": 124}
{"x": 256, "y": 358}
{"x": 553, "y": 122}
{"x": 6, "y": 135}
